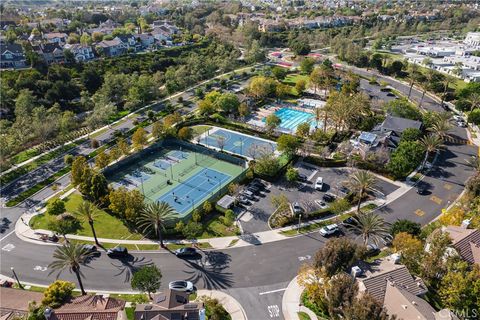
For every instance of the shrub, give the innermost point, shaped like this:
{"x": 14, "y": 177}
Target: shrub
{"x": 229, "y": 217}
{"x": 404, "y": 225}
{"x": 213, "y": 309}
{"x": 68, "y": 159}
{"x": 56, "y": 207}
{"x": 94, "y": 143}
{"x": 192, "y": 230}
{"x": 196, "y": 216}
{"x": 207, "y": 207}
{"x": 57, "y": 293}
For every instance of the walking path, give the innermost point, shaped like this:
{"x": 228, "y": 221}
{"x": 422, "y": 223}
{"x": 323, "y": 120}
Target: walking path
{"x": 291, "y": 302}
{"x": 231, "y": 305}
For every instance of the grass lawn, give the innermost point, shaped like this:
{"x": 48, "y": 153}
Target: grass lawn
{"x": 106, "y": 226}
{"x": 215, "y": 228}
{"x": 292, "y": 79}
{"x": 233, "y": 242}
{"x": 303, "y": 316}
{"x": 200, "y": 245}
{"x": 198, "y": 130}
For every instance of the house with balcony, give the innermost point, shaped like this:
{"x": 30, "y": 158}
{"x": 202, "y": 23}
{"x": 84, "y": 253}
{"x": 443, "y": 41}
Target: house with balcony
{"x": 50, "y": 52}
{"x": 81, "y": 52}
{"x": 12, "y": 56}
{"x": 55, "y": 37}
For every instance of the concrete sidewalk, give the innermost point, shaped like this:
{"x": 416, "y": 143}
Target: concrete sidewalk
{"x": 233, "y": 307}
{"x": 291, "y": 303}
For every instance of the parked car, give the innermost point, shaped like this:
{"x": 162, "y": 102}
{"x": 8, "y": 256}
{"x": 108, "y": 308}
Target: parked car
{"x": 461, "y": 124}
{"x": 372, "y": 250}
{"x": 185, "y": 252}
{"x": 350, "y": 221}
{"x": 422, "y": 190}
{"x": 344, "y": 190}
{"x": 181, "y": 285}
{"x": 322, "y": 204}
{"x": 258, "y": 184}
{"x": 457, "y": 118}
{"x": 329, "y": 230}
{"x": 248, "y": 194}
{"x": 302, "y": 177}
{"x": 253, "y": 189}
{"x": 243, "y": 200}
{"x": 297, "y": 208}
{"x": 90, "y": 248}
{"x": 117, "y": 252}
{"x": 319, "y": 184}
{"x": 328, "y": 197}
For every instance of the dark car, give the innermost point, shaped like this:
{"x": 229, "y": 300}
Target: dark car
{"x": 372, "y": 250}
{"x": 422, "y": 190}
{"x": 328, "y": 197}
{"x": 243, "y": 200}
{"x": 117, "y": 252}
{"x": 92, "y": 250}
{"x": 185, "y": 252}
{"x": 344, "y": 190}
{"x": 258, "y": 185}
{"x": 253, "y": 189}
{"x": 350, "y": 221}
{"x": 302, "y": 177}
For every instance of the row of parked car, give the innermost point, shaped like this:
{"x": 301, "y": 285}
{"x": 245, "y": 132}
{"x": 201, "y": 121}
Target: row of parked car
{"x": 251, "y": 191}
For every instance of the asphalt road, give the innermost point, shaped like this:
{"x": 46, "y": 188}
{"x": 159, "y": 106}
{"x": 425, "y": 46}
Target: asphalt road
{"x": 247, "y": 271}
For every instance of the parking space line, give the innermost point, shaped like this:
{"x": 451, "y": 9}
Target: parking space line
{"x": 419, "y": 212}
{"x": 436, "y": 199}
{"x": 273, "y": 291}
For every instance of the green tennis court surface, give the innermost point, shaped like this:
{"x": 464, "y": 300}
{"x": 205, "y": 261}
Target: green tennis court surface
{"x": 184, "y": 178}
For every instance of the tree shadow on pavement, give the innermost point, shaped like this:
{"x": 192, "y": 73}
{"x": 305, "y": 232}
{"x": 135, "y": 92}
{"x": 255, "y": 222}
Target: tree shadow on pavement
{"x": 250, "y": 238}
{"x": 129, "y": 265}
{"x": 210, "y": 270}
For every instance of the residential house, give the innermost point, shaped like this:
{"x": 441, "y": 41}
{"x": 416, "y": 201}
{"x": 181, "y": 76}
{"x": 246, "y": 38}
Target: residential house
{"x": 104, "y": 28}
{"x": 91, "y": 307}
{"x": 112, "y": 48}
{"x": 466, "y": 242}
{"x": 12, "y": 56}
{"x": 146, "y": 40}
{"x": 171, "y": 305}
{"x": 400, "y": 293}
{"x": 162, "y": 34}
{"x": 80, "y": 52}
{"x": 6, "y": 24}
{"x": 50, "y": 53}
{"x": 14, "y": 302}
{"x": 386, "y": 135}
{"x": 130, "y": 42}
{"x": 56, "y": 37}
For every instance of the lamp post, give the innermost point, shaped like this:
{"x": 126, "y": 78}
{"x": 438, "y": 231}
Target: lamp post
{"x": 299, "y": 222}
{"x": 16, "y": 277}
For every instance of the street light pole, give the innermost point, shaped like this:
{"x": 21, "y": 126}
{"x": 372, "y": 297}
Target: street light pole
{"x": 16, "y": 277}
{"x": 299, "y": 222}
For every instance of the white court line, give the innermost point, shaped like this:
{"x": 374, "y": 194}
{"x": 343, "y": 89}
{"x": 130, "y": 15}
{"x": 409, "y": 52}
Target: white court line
{"x": 273, "y": 291}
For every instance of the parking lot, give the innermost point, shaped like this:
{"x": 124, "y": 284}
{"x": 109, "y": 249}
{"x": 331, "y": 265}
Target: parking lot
{"x": 255, "y": 218}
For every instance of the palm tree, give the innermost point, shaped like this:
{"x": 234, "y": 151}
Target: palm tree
{"x": 71, "y": 255}
{"x": 441, "y": 126}
{"x": 414, "y": 76}
{"x": 474, "y": 100}
{"x": 430, "y": 143}
{"x": 474, "y": 162}
{"x": 446, "y": 82}
{"x": 360, "y": 182}
{"x": 370, "y": 226}
{"x": 426, "y": 84}
{"x": 154, "y": 217}
{"x": 87, "y": 211}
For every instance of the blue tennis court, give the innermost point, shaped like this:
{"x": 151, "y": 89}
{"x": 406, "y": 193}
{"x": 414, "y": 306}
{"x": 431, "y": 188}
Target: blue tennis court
{"x": 238, "y": 143}
{"x": 195, "y": 190}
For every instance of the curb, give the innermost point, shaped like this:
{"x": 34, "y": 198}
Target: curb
{"x": 231, "y": 305}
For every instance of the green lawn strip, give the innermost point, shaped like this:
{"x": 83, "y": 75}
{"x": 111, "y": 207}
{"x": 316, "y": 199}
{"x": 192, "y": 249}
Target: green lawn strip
{"x": 303, "y": 316}
{"x": 106, "y": 225}
{"x": 233, "y": 242}
{"x": 130, "y": 312}
{"x": 28, "y": 193}
{"x": 198, "y": 130}
{"x": 314, "y": 226}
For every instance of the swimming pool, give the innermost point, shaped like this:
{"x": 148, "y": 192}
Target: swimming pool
{"x": 291, "y": 118}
